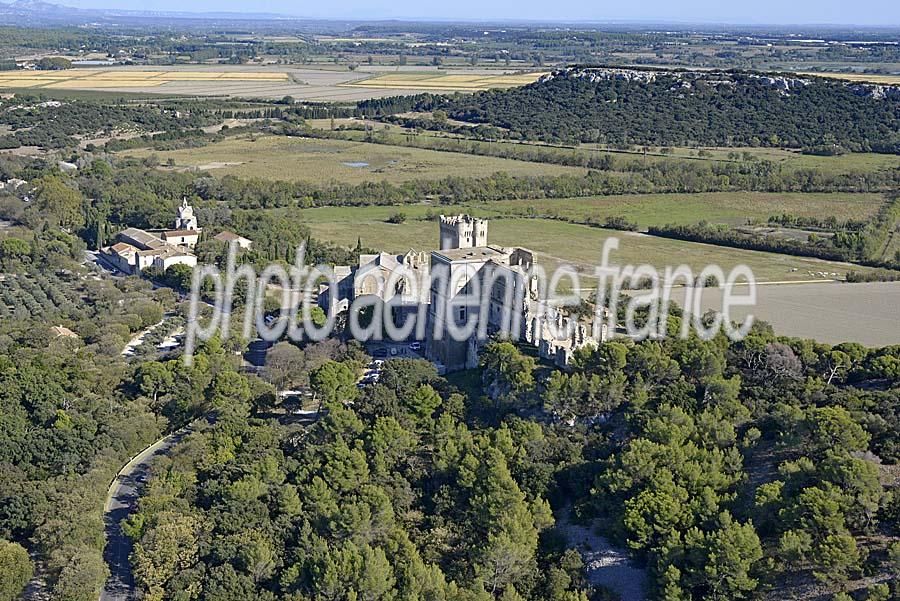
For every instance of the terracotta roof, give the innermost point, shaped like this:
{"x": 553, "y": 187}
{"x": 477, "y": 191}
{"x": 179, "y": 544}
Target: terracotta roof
{"x": 121, "y": 247}
{"x": 227, "y": 236}
{"x": 142, "y": 238}
{"x": 173, "y": 233}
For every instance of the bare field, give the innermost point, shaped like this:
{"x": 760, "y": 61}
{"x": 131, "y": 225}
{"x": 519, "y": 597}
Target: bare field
{"x": 432, "y": 81}
{"x": 323, "y": 161}
{"x": 828, "y": 312}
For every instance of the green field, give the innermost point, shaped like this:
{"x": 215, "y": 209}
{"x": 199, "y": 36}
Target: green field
{"x": 787, "y": 159}
{"x": 323, "y": 161}
{"x": 733, "y": 208}
{"x": 793, "y": 159}
{"x": 557, "y": 242}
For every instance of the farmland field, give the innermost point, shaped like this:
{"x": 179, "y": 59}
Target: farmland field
{"x": 318, "y": 84}
{"x": 558, "y": 242}
{"x": 100, "y": 78}
{"x": 322, "y": 161}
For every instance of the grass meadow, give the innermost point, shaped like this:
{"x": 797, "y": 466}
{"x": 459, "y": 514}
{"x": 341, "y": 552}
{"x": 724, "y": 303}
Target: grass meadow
{"x": 323, "y": 161}
{"x": 733, "y": 208}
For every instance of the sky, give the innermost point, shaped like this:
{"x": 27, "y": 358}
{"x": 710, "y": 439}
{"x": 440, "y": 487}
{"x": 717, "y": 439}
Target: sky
{"x": 857, "y": 12}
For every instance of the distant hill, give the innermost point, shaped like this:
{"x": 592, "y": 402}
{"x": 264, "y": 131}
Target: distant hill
{"x": 39, "y": 13}
{"x": 36, "y": 12}
{"x": 657, "y": 107}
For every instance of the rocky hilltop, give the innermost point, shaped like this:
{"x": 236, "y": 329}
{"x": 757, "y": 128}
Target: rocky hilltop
{"x": 686, "y": 79}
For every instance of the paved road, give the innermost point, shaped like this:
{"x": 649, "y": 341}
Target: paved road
{"x": 120, "y": 501}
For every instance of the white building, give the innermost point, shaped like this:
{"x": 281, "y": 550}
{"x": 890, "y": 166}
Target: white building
{"x": 138, "y": 249}
{"x": 12, "y": 184}
{"x": 188, "y": 238}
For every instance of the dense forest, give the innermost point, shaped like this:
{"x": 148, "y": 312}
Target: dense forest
{"x": 723, "y": 485}
{"x": 36, "y": 121}
{"x": 67, "y": 422}
{"x": 683, "y": 109}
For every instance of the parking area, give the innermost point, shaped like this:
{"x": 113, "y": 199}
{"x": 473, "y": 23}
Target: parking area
{"x": 396, "y": 350}
{"x": 384, "y": 351}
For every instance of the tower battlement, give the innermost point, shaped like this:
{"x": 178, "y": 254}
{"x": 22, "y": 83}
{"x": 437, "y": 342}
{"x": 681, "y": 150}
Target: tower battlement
{"x": 463, "y": 231}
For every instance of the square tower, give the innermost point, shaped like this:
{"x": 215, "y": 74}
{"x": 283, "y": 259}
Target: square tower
{"x": 463, "y": 231}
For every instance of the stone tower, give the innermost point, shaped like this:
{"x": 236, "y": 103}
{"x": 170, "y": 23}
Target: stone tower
{"x": 463, "y": 231}
{"x": 186, "y": 219}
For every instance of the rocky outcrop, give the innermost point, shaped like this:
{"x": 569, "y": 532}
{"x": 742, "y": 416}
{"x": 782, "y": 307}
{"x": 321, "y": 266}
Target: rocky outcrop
{"x": 876, "y": 91}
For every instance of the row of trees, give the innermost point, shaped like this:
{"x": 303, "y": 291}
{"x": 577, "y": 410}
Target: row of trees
{"x": 635, "y": 177}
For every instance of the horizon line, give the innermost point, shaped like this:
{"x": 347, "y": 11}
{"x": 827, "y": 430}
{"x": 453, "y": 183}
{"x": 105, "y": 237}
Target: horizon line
{"x": 568, "y": 21}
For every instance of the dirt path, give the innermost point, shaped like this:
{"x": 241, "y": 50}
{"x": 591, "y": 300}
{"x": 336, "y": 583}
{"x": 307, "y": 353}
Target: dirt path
{"x": 139, "y": 338}
{"x": 605, "y": 565}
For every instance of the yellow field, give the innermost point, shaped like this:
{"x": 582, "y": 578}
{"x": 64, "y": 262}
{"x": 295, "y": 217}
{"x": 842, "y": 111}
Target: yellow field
{"x": 123, "y": 78}
{"x": 862, "y": 77}
{"x": 433, "y": 81}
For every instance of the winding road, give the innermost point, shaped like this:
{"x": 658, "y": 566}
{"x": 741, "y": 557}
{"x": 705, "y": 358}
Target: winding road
{"x": 120, "y": 501}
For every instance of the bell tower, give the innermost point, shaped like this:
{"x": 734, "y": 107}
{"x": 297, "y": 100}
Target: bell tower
{"x": 186, "y": 219}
